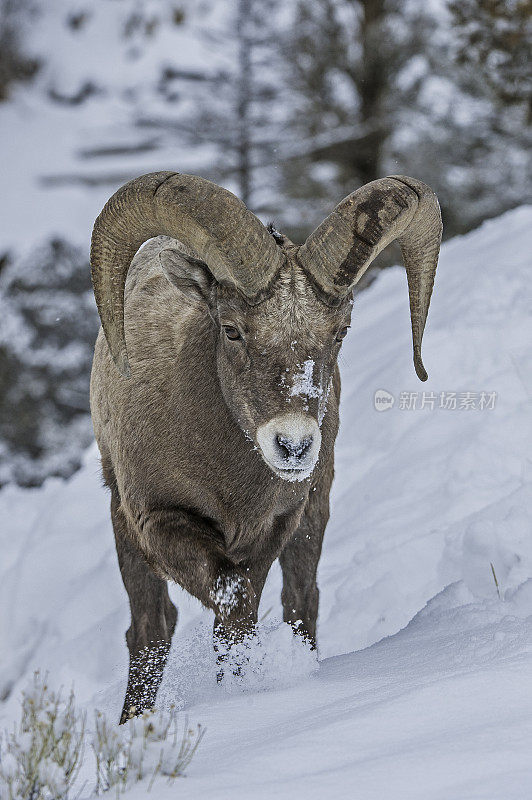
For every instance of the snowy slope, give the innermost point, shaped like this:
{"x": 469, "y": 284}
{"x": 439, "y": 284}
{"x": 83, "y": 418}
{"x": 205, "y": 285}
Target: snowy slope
{"x": 427, "y": 504}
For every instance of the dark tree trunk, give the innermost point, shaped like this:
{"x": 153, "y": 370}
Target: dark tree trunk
{"x": 245, "y": 79}
{"x": 372, "y": 85}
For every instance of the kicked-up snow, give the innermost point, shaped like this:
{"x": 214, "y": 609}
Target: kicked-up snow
{"x": 423, "y": 685}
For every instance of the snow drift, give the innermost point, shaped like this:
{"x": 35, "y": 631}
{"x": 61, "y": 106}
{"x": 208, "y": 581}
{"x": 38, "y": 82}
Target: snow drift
{"x": 429, "y": 544}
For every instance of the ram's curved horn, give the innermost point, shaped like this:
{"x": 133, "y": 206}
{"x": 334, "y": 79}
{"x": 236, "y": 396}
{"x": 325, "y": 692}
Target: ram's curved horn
{"x": 340, "y": 250}
{"x": 210, "y": 220}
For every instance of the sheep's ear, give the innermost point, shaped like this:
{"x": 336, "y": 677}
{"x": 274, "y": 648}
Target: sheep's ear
{"x": 188, "y": 274}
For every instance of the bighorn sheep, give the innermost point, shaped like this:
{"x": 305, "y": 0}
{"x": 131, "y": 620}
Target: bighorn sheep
{"x": 215, "y": 395}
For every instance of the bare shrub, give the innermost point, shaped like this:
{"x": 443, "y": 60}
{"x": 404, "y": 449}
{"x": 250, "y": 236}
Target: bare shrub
{"x": 145, "y": 746}
{"x": 41, "y": 758}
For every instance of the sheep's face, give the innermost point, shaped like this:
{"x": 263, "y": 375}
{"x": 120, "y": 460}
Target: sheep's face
{"x": 275, "y": 364}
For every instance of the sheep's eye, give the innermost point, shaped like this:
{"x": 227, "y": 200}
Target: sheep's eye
{"x": 231, "y": 332}
{"x": 342, "y": 333}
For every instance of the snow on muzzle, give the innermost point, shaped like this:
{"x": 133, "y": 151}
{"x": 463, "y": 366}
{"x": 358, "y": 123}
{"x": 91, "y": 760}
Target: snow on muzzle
{"x": 290, "y": 445}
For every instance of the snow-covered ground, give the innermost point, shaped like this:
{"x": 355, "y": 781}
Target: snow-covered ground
{"x": 423, "y": 688}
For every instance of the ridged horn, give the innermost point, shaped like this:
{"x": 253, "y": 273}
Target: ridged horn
{"x": 341, "y": 249}
{"x": 207, "y": 218}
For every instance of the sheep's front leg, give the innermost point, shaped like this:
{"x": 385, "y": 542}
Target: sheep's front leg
{"x": 257, "y": 570}
{"x": 153, "y": 618}
{"x": 225, "y": 638}
{"x": 186, "y": 549}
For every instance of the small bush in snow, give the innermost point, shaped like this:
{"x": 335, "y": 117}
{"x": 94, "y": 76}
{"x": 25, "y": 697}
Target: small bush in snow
{"x": 145, "y": 746}
{"x": 40, "y": 759}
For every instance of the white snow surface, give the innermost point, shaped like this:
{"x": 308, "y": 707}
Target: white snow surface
{"x": 423, "y": 688}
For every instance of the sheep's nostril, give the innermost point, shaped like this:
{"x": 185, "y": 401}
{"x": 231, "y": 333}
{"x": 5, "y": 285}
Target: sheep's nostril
{"x": 282, "y": 445}
{"x": 304, "y": 447}
{"x": 291, "y": 449}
